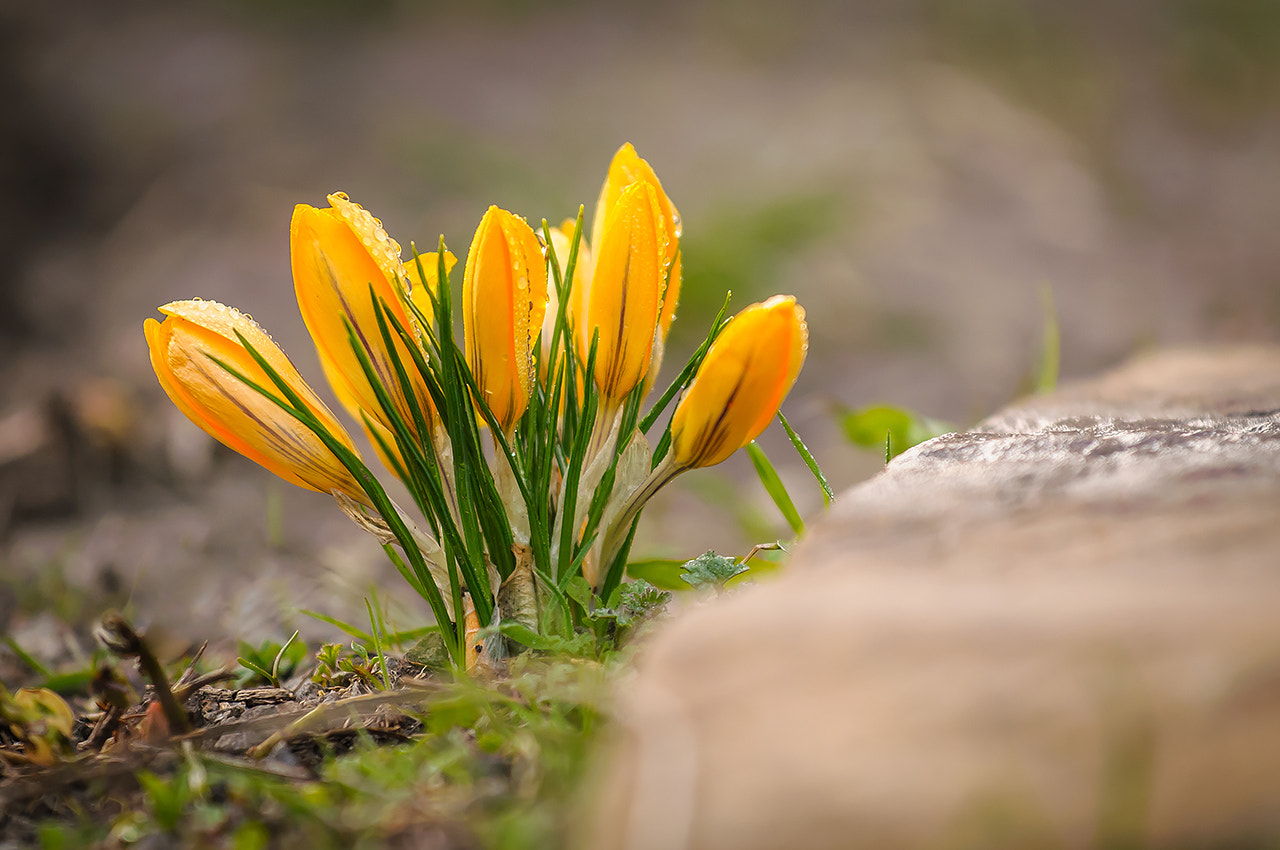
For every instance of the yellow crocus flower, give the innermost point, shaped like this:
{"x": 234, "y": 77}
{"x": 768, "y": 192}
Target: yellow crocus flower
{"x": 338, "y": 254}
{"x": 183, "y": 351}
{"x": 627, "y": 168}
{"x": 624, "y": 301}
{"x": 734, "y": 395}
{"x": 742, "y": 381}
{"x": 504, "y": 300}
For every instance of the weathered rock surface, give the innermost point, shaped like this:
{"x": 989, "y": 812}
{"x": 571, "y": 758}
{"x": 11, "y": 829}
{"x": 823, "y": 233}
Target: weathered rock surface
{"x": 1059, "y": 629}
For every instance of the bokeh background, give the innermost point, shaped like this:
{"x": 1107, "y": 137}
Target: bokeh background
{"x": 918, "y": 173}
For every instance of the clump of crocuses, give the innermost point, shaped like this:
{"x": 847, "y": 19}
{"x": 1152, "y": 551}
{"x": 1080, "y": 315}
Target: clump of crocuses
{"x": 522, "y": 445}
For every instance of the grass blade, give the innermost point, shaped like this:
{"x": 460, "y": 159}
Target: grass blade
{"x": 774, "y": 487}
{"x": 809, "y": 460}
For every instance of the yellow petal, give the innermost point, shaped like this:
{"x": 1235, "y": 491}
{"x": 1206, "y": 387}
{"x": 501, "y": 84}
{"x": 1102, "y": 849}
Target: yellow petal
{"x": 670, "y": 295}
{"x": 627, "y": 168}
{"x": 742, "y": 381}
{"x": 183, "y": 350}
{"x": 423, "y": 289}
{"x": 339, "y": 254}
{"x": 562, "y": 243}
{"x": 626, "y": 291}
{"x": 504, "y": 300}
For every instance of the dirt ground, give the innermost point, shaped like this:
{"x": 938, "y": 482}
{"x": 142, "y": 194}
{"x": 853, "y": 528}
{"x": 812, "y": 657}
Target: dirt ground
{"x": 917, "y": 174}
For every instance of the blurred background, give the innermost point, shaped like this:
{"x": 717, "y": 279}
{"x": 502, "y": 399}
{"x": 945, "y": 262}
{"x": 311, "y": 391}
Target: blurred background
{"x": 918, "y": 173}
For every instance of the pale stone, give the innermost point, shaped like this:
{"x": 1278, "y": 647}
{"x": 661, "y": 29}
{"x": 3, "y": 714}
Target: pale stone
{"x": 1059, "y": 629}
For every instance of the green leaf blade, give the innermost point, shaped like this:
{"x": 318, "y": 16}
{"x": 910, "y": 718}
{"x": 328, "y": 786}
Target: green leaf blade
{"x": 775, "y": 487}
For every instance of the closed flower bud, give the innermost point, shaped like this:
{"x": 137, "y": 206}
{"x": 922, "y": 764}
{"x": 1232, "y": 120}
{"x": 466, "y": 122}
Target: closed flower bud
{"x": 424, "y": 285}
{"x": 627, "y": 168}
{"x": 185, "y": 352}
{"x": 504, "y": 299}
{"x": 339, "y": 253}
{"x": 624, "y": 301}
{"x": 742, "y": 381}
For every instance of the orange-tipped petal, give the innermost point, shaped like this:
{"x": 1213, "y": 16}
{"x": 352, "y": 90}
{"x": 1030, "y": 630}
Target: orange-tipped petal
{"x": 339, "y": 254}
{"x": 504, "y": 301}
{"x": 185, "y": 348}
{"x": 741, "y": 383}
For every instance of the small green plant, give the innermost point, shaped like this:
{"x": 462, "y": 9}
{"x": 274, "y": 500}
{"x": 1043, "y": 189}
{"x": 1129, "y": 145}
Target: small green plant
{"x": 270, "y": 661}
{"x": 338, "y": 665}
{"x": 890, "y": 429}
{"x": 893, "y": 430}
{"x": 711, "y": 571}
{"x": 708, "y": 571}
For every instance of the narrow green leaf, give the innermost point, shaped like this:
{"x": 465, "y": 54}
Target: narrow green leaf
{"x": 809, "y": 460}
{"x": 613, "y": 571}
{"x": 569, "y": 531}
{"x": 375, "y": 627}
{"x": 774, "y": 487}
{"x": 26, "y": 657}
{"x": 76, "y": 681}
{"x": 266, "y": 675}
{"x": 275, "y": 665}
{"x": 1051, "y": 345}
{"x": 356, "y": 632}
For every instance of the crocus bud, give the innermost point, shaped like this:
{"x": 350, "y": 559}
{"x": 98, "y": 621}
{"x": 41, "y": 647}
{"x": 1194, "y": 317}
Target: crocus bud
{"x": 562, "y": 244}
{"x": 339, "y": 253}
{"x": 504, "y": 299}
{"x": 626, "y": 168}
{"x": 424, "y": 285}
{"x": 185, "y": 350}
{"x": 742, "y": 381}
{"x": 624, "y": 301}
